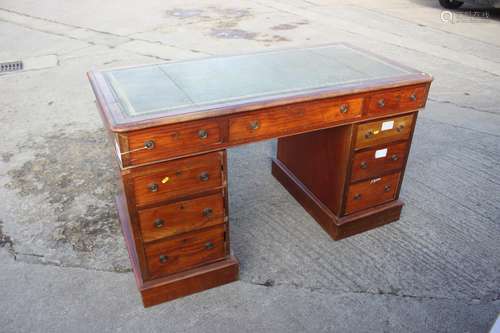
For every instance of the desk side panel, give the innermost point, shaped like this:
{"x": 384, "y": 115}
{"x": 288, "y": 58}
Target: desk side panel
{"x": 319, "y": 160}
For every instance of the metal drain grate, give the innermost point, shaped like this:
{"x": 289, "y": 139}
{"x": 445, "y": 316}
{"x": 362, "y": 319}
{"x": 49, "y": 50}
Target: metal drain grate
{"x": 11, "y": 66}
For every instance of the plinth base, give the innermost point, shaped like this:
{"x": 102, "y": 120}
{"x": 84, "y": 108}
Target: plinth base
{"x": 336, "y": 227}
{"x": 176, "y": 285}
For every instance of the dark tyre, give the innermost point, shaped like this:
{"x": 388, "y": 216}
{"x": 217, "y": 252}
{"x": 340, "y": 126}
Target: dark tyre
{"x": 450, "y": 4}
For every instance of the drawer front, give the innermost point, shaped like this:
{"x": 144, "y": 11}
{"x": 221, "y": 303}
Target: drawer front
{"x": 180, "y": 177}
{"x": 383, "y": 131}
{"x": 413, "y": 98}
{"x": 293, "y": 118}
{"x": 181, "y": 217}
{"x": 164, "y": 142}
{"x": 405, "y": 99}
{"x": 384, "y": 102}
{"x": 374, "y": 162}
{"x": 185, "y": 251}
{"x": 371, "y": 193}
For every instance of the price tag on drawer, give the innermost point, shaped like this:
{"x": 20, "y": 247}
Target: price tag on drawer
{"x": 381, "y": 153}
{"x": 387, "y": 125}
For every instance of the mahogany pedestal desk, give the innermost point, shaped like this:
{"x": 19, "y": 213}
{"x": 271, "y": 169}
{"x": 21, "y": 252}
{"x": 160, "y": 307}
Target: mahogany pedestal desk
{"x": 344, "y": 119}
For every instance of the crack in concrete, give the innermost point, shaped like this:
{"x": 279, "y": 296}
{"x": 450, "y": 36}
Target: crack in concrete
{"x": 451, "y": 199}
{"x": 371, "y": 35}
{"x": 431, "y": 28}
{"x": 270, "y": 283}
{"x": 5, "y": 240}
{"x": 462, "y": 127}
{"x": 462, "y": 106}
{"x": 41, "y": 260}
{"x": 90, "y": 42}
{"x": 80, "y": 227}
{"x": 393, "y": 292}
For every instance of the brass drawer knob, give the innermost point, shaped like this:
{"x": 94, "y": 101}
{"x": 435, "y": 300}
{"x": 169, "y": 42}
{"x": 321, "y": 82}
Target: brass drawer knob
{"x": 209, "y": 245}
{"x": 159, "y": 223}
{"x": 413, "y": 97}
{"x": 153, "y": 187}
{"x": 363, "y": 165}
{"x": 344, "y": 108}
{"x": 394, "y": 157}
{"x": 207, "y": 212}
{"x": 163, "y": 259}
{"x": 368, "y": 135}
{"x": 381, "y": 103}
{"x": 387, "y": 188}
{"x": 254, "y": 125}
{"x": 204, "y": 176}
{"x": 150, "y": 144}
{"x": 202, "y": 134}
{"x": 357, "y": 196}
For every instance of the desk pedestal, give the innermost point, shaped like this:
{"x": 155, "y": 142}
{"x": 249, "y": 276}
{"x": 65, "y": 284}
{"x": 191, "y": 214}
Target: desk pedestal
{"x": 177, "y": 285}
{"x": 348, "y": 177}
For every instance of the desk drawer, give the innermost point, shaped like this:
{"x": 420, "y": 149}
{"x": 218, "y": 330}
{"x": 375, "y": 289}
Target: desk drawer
{"x": 172, "y": 140}
{"x": 292, "y": 118}
{"x": 186, "y": 251}
{"x": 374, "y": 162}
{"x": 413, "y": 98}
{"x": 405, "y": 99}
{"x": 371, "y": 193}
{"x": 180, "y": 217}
{"x": 172, "y": 179}
{"x": 383, "y": 131}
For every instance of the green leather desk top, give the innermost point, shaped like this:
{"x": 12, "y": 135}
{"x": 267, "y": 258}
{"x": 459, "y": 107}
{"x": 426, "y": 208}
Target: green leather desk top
{"x": 177, "y": 88}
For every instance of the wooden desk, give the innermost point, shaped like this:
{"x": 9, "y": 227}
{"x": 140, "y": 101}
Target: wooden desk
{"x": 344, "y": 119}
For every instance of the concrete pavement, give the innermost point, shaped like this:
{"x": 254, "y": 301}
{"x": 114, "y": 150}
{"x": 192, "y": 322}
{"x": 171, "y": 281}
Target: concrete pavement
{"x": 63, "y": 265}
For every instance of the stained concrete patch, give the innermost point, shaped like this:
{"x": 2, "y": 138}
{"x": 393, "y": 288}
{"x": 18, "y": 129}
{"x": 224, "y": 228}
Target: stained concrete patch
{"x": 4, "y": 239}
{"x": 232, "y": 34}
{"x": 284, "y": 26}
{"x": 72, "y": 175}
{"x": 228, "y": 18}
{"x": 184, "y": 13}
{"x": 226, "y": 21}
{"x": 230, "y": 12}
{"x": 6, "y": 157}
{"x": 273, "y": 39}
{"x": 188, "y": 15}
{"x": 302, "y": 22}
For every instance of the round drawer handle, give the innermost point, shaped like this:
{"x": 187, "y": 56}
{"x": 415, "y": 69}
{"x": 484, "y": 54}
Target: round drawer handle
{"x": 400, "y": 127}
{"x": 163, "y": 259}
{"x": 254, "y": 125}
{"x": 207, "y": 212}
{"x": 204, "y": 176}
{"x": 202, "y": 134}
{"x": 357, "y": 196}
{"x": 150, "y": 144}
{"x": 363, "y": 165}
{"x": 413, "y": 97}
{"x": 381, "y": 103}
{"x": 344, "y": 108}
{"x": 153, "y": 187}
{"x": 394, "y": 157}
{"x": 368, "y": 135}
{"x": 209, "y": 245}
{"x": 159, "y": 223}
{"x": 387, "y": 188}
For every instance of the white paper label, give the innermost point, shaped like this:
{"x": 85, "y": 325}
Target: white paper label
{"x": 387, "y": 125}
{"x": 381, "y": 153}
